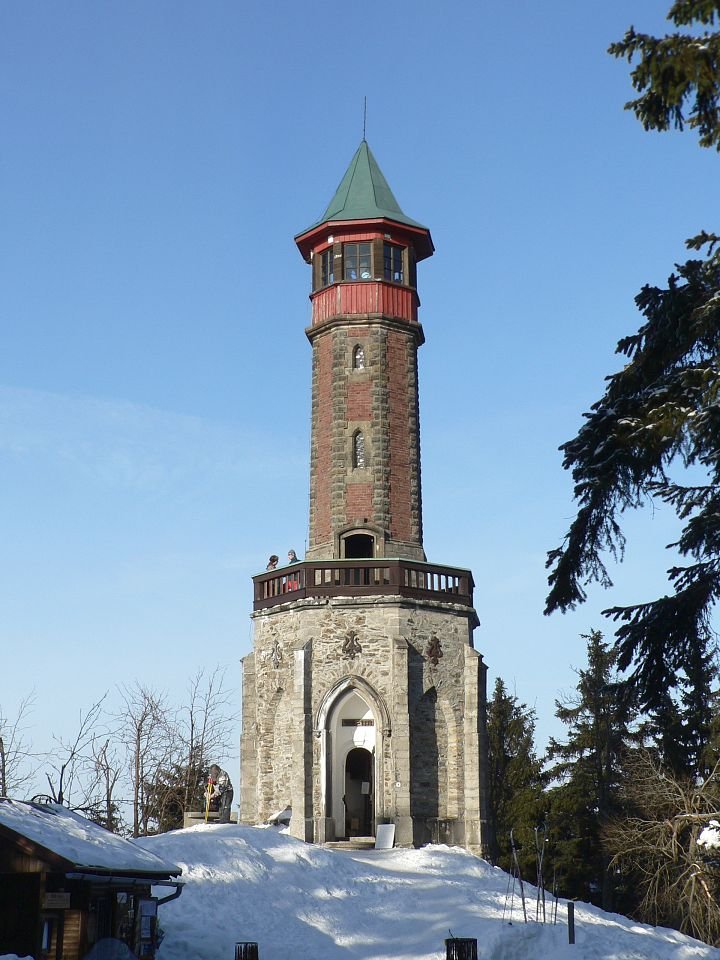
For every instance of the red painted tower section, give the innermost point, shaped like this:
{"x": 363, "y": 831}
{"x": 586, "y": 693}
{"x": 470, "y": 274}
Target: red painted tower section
{"x": 365, "y": 480}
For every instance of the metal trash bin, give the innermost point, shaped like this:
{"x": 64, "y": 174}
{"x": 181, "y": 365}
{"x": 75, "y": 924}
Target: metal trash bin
{"x": 246, "y": 951}
{"x": 461, "y": 948}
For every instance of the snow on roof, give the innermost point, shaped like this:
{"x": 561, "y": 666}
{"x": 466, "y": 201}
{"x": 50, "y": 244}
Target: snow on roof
{"x": 86, "y": 845}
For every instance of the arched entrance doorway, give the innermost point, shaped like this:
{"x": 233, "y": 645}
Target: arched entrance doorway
{"x": 352, "y": 738}
{"x": 359, "y": 793}
{"x": 352, "y": 724}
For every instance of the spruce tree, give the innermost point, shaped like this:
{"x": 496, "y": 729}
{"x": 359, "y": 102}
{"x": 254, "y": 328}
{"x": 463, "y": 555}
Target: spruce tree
{"x": 514, "y": 778}
{"x": 678, "y": 75}
{"x": 696, "y": 705}
{"x": 587, "y": 771}
{"x": 660, "y": 411}
{"x": 175, "y": 791}
{"x": 660, "y": 408}
{"x": 662, "y": 732}
{"x": 679, "y": 728}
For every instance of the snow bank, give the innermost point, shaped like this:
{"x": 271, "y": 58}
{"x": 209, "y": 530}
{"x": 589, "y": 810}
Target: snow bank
{"x": 309, "y": 903}
{"x": 709, "y": 837}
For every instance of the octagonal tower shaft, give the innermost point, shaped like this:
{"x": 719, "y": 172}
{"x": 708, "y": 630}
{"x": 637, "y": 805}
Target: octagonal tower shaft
{"x": 365, "y": 482}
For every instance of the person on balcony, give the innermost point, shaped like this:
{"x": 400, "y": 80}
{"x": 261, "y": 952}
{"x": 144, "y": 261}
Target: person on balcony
{"x": 273, "y": 562}
{"x": 293, "y": 583}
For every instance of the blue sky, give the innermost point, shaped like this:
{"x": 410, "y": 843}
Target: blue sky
{"x": 156, "y": 161}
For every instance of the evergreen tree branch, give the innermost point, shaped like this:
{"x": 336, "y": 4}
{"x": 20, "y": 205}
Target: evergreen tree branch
{"x": 661, "y": 409}
{"x": 677, "y": 76}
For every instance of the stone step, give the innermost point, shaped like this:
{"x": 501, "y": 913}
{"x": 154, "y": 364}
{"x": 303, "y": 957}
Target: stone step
{"x": 354, "y": 843}
{"x": 193, "y": 817}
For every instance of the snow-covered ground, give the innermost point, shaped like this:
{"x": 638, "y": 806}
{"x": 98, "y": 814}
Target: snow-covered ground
{"x": 307, "y": 903}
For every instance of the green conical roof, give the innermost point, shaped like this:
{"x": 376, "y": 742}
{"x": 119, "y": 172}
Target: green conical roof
{"x": 364, "y": 194}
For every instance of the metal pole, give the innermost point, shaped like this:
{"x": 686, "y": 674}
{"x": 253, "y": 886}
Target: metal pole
{"x": 571, "y": 922}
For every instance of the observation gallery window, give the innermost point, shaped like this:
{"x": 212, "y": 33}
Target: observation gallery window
{"x": 362, "y": 260}
{"x": 393, "y": 263}
{"x": 327, "y": 275}
{"x": 358, "y": 261}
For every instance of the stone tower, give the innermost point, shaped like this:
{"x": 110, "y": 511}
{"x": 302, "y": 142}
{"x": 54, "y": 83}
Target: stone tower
{"x": 364, "y": 698}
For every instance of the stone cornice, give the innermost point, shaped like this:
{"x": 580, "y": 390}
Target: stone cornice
{"x": 364, "y": 320}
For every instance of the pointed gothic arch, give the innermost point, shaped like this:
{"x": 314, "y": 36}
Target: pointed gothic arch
{"x": 276, "y": 732}
{"x": 353, "y": 681}
{"x": 352, "y": 717}
{"x": 434, "y": 749}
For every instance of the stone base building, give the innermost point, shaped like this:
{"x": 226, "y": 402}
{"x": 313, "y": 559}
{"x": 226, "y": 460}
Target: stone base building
{"x": 364, "y": 698}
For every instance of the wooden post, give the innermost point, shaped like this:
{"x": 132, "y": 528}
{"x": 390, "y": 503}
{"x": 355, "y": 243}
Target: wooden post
{"x": 246, "y": 951}
{"x": 571, "y": 922}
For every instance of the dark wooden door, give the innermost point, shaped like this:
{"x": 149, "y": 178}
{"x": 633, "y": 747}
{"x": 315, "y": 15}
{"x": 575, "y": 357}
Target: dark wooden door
{"x": 20, "y": 914}
{"x": 358, "y": 793}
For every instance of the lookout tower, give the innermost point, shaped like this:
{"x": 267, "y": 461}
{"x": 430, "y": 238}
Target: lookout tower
{"x": 364, "y": 698}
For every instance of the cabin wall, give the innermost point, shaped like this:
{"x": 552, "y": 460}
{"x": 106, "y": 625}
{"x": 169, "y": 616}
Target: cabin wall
{"x": 46, "y": 914}
{"x": 19, "y": 910}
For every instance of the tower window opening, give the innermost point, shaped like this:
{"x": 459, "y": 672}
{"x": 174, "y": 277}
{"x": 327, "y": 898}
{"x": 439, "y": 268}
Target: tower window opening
{"x": 393, "y": 263}
{"x": 359, "y": 357}
{"x": 359, "y": 546}
{"x": 358, "y": 261}
{"x": 358, "y": 451}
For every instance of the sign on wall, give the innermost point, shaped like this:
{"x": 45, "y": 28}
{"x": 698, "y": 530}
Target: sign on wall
{"x": 56, "y": 901}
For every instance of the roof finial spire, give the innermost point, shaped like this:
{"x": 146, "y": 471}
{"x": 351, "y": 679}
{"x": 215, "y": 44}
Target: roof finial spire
{"x": 364, "y": 116}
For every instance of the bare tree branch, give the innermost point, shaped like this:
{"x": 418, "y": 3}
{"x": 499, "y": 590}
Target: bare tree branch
{"x": 658, "y": 847}
{"x": 16, "y": 766}
{"x": 205, "y": 726}
{"x": 73, "y": 758}
{"x": 147, "y": 731}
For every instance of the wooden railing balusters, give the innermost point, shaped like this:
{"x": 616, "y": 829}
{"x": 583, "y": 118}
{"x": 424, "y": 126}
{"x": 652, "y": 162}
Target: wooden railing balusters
{"x": 337, "y": 578}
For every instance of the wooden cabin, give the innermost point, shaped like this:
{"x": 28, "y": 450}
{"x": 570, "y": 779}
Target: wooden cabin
{"x": 69, "y": 888}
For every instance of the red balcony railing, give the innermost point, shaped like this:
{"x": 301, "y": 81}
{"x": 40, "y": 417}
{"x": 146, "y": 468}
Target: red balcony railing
{"x": 363, "y": 578}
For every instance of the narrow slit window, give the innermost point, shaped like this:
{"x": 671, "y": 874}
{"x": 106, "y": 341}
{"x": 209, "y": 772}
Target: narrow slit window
{"x": 359, "y": 357}
{"x": 359, "y": 450}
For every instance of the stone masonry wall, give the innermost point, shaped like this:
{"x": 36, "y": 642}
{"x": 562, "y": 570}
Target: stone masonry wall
{"x": 418, "y": 659}
{"x": 321, "y": 444}
{"x": 380, "y": 399}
